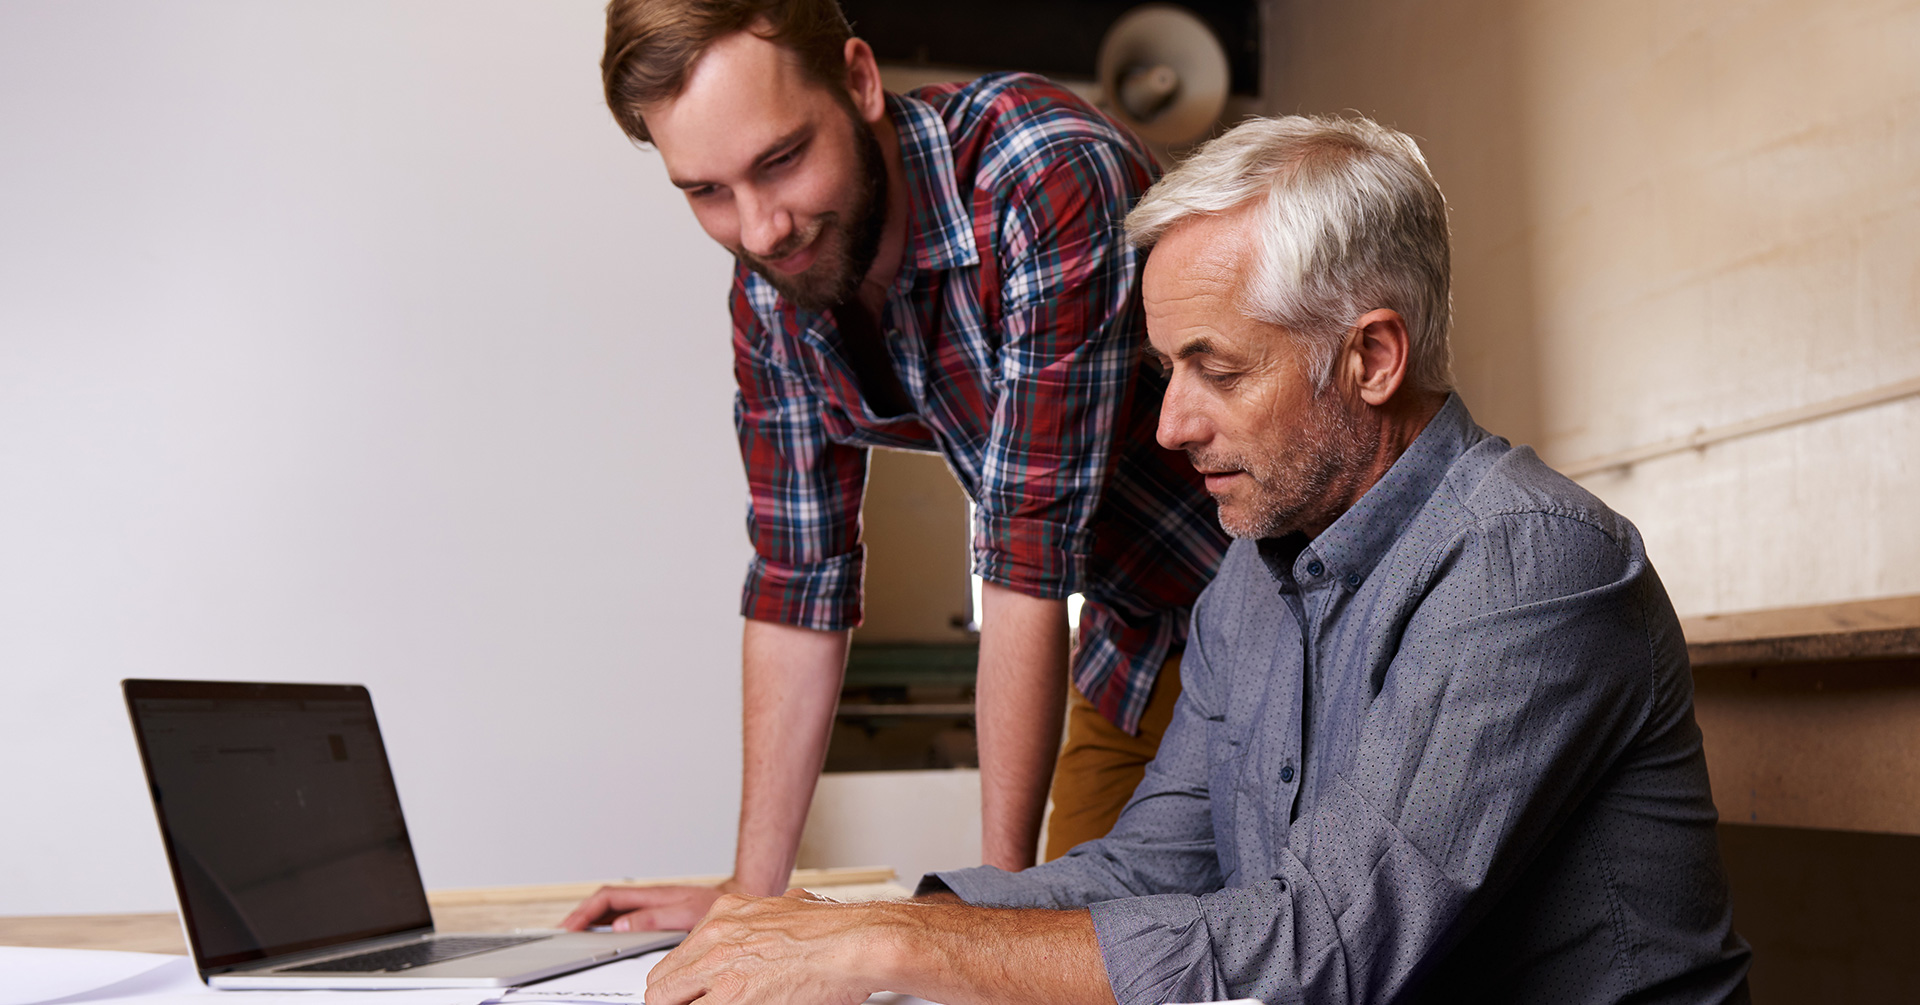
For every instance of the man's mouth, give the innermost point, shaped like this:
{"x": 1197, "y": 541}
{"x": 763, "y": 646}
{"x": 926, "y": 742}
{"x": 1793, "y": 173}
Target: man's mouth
{"x": 797, "y": 260}
{"x": 1217, "y": 481}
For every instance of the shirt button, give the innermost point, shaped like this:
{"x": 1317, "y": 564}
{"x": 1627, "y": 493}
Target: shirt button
{"x": 1314, "y": 568}
{"x": 1286, "y": 773}
{"x": 1353, "y": 579}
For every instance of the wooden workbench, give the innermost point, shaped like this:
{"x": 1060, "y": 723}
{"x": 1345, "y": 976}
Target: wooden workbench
{"x": 491, "y": 909}
{"x": 1811, "y": 719}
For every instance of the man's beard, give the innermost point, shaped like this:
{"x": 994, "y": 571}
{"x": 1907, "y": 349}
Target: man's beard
{"x": 1293, "y": 484}
{"x": 851, "y": 243}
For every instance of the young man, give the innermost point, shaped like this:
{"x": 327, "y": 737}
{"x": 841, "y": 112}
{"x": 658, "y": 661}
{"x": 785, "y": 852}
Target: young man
{"x": 1436, "y": 742}
{"x": 944, "y": 271}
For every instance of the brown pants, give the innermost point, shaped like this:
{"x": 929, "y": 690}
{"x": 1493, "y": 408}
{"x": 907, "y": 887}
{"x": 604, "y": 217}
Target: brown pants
{"x": 1101, "y": 764}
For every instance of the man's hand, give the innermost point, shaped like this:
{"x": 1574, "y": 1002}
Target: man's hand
{"x": 800, "y": 950}
{"x": 644, "y": 908}
{"x": 796, "y": 948}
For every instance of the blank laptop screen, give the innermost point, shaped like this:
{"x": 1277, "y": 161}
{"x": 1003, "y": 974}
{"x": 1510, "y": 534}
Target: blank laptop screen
{"x": 279, "y": 814}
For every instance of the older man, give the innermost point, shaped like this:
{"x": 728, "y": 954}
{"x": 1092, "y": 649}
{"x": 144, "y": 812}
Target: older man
{"x": 1436, "y": 740}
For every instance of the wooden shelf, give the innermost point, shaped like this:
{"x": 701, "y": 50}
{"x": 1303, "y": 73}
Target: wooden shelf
{"x": 1888, "y": 628}
{"x": 1811, "y": 715}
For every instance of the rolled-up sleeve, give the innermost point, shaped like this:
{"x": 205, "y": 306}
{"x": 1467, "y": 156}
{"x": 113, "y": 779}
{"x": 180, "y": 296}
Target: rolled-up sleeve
{"x": 804, "y": 491}
{"x": 1070, "y": 337}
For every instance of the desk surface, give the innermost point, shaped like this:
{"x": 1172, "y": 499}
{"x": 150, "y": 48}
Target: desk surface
{"x": 491, "y": 909}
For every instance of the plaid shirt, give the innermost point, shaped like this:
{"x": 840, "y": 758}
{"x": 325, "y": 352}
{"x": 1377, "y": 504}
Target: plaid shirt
{"x": 1016, "y": 331}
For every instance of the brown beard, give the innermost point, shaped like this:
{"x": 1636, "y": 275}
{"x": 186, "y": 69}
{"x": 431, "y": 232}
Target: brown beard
{"x": 1294, "y": 486}
{"x": 853, "y": 242}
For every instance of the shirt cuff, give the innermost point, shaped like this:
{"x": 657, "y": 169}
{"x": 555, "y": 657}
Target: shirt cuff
{"x": 1036, "y": 557}
{"x": 822, "y": 595}
{"x": 991, "y": 886}
{"x": 1157, "y": 949}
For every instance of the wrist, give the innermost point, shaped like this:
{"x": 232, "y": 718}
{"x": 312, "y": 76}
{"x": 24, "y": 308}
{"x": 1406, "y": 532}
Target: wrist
{"x": 753, "y": 885}
{"x": 882, "y": 953}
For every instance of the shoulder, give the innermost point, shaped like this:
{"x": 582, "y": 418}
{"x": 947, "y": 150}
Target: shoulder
{"x": 1512, "y": 531}
{"x": 1493, "y": 479}
{"x": 1006, "y": 128}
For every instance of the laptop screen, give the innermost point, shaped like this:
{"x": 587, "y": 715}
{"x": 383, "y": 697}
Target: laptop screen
{"x": 279, "y": 815}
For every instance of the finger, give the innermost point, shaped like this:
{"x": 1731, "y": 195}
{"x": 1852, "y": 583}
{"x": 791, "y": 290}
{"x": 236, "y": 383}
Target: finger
{"x": 614, "y": 900}
{"x": 667, "y": 982}
{"x": 658, "y": 919}
{"x": 589, "y": 910}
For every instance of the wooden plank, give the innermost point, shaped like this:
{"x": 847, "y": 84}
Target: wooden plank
{"x": 1865, "y": 629}
{"x": 1701, "y": 439}
{"x": 487, "y": 909}
{"x": 132, "y": 933}
{"x": 1819, "y": 619}
{"x": 575, "y": 892}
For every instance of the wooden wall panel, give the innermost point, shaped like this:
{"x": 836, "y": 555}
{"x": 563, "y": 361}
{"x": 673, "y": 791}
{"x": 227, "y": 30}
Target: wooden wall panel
{"x": 1830, "y": 745}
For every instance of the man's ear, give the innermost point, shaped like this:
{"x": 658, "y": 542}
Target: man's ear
{"x": 1378, "y": 348}
{"x": 869, "y": 96}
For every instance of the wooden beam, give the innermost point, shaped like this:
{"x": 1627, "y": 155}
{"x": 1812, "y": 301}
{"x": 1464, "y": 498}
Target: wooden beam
{"x": 1888, "y": 627}
{"x": 548, "y": 892}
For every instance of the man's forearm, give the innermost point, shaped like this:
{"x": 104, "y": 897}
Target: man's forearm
{"x": 1020, "y": 701}
{"x": 799, "y": 949}
{"x": 790, "y": 684}
{"x": 958, "y": 954}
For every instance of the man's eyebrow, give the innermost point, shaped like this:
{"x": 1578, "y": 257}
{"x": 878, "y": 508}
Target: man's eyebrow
{"x": 772, "y": 150}
{"x": 1194, "y": 347}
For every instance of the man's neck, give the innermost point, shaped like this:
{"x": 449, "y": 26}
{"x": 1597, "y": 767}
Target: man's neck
{"x": 1399, "y": 422}
{"x": 893, "y": 234}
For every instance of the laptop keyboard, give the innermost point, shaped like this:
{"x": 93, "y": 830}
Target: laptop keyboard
{"x": 416, "y": 954}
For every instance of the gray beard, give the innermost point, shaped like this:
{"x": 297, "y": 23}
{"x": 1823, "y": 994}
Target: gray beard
{"x": 1292, "y": 484}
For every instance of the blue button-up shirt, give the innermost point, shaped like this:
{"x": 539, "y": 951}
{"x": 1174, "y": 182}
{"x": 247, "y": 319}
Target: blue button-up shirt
{"x": 1444, "y": 751}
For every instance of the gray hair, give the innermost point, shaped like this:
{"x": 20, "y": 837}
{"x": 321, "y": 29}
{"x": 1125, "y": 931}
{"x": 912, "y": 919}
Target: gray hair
{"x": 1351, "y": 221}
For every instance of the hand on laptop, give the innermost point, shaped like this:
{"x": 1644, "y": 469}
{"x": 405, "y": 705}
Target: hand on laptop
{"x": 795, "y": 948}
{"x": 646, "y": 908}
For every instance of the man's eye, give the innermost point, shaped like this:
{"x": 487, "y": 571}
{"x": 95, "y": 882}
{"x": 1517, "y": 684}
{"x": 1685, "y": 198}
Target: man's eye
{"x": 787, "y": 157}
{"x": 1219, "y": 378}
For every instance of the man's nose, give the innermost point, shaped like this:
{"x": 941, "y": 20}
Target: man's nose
{"x": 1180, "y": 424}
{"x": 764, "y": 226}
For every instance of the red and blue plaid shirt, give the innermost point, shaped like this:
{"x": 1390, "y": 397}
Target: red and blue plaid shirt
{"x": 1016, "y": 331}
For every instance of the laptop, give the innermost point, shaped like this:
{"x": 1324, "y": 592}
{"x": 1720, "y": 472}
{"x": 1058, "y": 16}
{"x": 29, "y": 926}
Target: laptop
{"x": 291, "y": 858}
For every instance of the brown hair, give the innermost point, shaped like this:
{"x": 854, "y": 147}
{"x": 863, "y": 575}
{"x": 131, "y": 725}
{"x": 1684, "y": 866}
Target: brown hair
{"x": 653, "y": 44}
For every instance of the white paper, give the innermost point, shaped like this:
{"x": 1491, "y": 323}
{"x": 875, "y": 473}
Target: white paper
{"x": 621, "y": 981}
{"x": 76, "y": 976}
{"x": 32, "y": 976}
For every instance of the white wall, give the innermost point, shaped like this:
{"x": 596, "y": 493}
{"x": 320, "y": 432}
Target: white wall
{"x": 915, "y": 821}
{"x": 352, "y": 342}
{"x": 1670, "y": 217}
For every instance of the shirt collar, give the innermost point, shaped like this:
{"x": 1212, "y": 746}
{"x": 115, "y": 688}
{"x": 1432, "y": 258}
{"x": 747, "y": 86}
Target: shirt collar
{"x": 939, "y": 228}
{"x": 1346, "y": 552}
